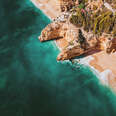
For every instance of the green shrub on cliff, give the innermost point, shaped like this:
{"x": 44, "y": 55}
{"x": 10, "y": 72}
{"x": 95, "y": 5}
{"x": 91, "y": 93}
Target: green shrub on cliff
{"x": 97, "y": 22}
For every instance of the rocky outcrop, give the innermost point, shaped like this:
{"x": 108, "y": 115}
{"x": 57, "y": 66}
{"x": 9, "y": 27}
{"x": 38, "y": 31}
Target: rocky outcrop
{"x": 80, "y": 40}
{"x": 75, "y": 47}
{"x": 73, "y": 52}
{"x": 56, "y": 29}
{"x": 70, "y": 53}
{"x": 52, "y": 31}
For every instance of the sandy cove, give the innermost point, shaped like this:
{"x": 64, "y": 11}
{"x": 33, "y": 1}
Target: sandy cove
{"x": 104, "y": 64}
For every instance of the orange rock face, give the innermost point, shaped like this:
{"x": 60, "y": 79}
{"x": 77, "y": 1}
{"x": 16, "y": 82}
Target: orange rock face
{"x": 70, "y": 53}
{"x": 76, "y": 41}
{"x": 71, "y": 35}
{"x": 52, "y": 31}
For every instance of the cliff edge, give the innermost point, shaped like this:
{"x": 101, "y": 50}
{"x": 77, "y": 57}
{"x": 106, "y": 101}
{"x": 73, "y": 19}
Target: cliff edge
{"x": 82, "y": 27}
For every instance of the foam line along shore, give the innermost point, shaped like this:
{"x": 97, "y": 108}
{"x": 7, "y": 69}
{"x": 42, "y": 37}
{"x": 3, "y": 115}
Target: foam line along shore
{"x": 98, "y": 61}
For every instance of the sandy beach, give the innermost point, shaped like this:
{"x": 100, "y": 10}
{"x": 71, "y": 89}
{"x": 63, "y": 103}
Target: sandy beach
{"x": 104, "y": 63}
{"x": 50, "y": 7}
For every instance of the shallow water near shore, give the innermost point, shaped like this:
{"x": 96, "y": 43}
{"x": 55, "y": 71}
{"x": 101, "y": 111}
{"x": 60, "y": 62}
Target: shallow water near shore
{"x": 32, "y": 82}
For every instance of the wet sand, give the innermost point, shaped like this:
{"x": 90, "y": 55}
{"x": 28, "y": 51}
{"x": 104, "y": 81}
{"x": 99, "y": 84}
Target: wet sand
{"x": 104, "y": 63}
{"x": 50, "y": 7}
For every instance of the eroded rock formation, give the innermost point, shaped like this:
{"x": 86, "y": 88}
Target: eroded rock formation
{"x": 80, "y": 37}
{"x": 52, "y": 31}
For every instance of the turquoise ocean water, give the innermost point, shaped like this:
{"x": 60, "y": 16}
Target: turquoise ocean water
{"x": 32, "y": 82}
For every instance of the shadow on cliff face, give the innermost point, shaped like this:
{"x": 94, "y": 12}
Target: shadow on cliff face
{"x": 32, "y": 82}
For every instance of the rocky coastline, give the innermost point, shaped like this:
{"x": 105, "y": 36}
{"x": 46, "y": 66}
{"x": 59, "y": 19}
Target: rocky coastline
{"x": 74, "y": 40}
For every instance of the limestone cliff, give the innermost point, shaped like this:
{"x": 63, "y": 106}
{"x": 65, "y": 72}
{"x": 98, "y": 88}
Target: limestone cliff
{"x": 77, "y": 26}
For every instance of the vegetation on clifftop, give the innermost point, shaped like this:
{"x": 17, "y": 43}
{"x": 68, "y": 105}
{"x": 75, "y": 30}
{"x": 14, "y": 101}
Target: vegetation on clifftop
{"x": 94, "y": 19}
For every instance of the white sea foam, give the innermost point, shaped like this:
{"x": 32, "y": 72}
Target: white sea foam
{"x": 105, "y": 75}
{"x": 86, "y": 60}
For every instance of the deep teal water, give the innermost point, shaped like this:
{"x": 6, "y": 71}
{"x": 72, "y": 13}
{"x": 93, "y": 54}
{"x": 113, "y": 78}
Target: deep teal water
{"x": 32, "y": 83}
